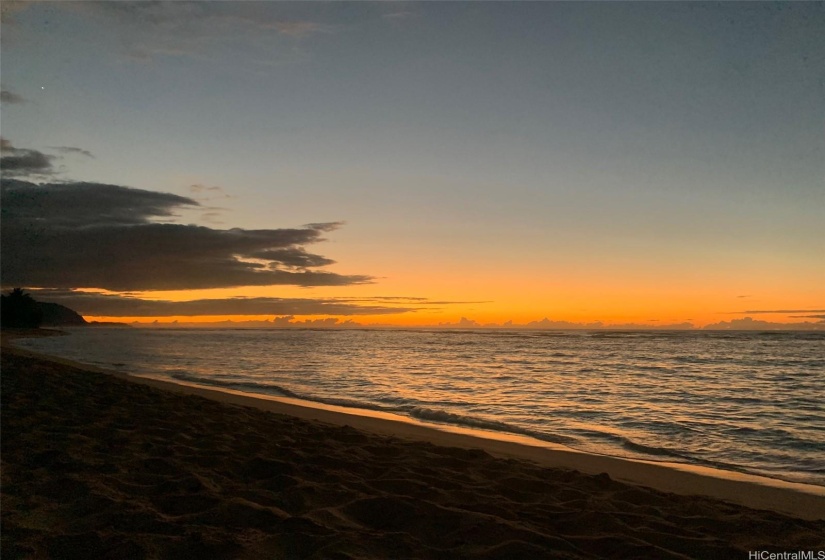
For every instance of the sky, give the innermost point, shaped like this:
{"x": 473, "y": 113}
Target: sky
{"x": 416, "y": 164}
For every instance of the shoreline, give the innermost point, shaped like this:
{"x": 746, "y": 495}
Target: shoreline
{"x": 98, "y": 465}
{"x": 804, "y": 501}
{"x": 776, "y": 473}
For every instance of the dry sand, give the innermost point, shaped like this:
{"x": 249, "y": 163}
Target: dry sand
{"x": 96, "y": 466}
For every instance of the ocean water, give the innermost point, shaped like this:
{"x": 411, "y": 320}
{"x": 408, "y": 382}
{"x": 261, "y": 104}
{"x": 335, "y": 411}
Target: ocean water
{"x": 743, "y": 401}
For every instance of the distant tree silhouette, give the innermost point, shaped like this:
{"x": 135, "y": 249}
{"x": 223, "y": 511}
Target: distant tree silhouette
{"x": 18, "y": 309}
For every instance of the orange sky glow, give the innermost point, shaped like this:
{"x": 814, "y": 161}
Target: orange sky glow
{"x": 624, "y": 163}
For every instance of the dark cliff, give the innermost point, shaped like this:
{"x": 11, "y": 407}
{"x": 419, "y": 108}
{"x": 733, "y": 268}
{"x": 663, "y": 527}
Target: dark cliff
{"x": 56, "y": 315}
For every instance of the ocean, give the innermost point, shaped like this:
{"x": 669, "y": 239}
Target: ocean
{"x": 751, "y": 402}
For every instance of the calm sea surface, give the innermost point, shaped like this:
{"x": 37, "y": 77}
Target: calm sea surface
{"x": 744, "y": 401}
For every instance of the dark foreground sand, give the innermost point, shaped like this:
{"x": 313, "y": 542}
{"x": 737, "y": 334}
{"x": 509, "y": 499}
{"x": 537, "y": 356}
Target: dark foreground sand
{"x": 94, "y": 466}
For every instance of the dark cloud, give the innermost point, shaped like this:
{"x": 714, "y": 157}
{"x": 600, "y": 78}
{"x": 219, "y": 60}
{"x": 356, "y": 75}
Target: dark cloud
{"x": 88, "y": 303}
{"x": 73, "y": 150}
{"x": 79, "y": 205}
{"x": 68, "y": 235}
{"x": 292, "y": 257}
{"x": 19, "y": 162}
{"x": 128, "y": 305}
{"x": 325, "y": 226}
{"x": 7, "y": 96}
{"x": 26, "y": 162}
{"x": 809, "y": 317}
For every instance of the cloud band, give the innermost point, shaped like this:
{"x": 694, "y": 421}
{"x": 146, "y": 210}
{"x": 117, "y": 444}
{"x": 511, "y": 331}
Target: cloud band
{"x": 68, "y": 235}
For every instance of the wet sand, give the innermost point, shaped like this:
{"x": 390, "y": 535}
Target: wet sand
{"x": 98, "y": 466}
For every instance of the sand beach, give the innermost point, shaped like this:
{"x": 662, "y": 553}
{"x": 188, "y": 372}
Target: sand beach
{"x": 98, "y": 465}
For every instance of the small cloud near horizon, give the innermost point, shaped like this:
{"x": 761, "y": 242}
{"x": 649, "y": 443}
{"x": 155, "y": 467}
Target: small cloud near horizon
{"x": 749, "y": 323}
{"x": 197, "y": 188}
{"x": 289, "y": 321}
{"x": 205, "y": 192}
{"x": 73, "y": 150}
{"x": 8, "y": 96}
{"x": 773, "y": 311}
